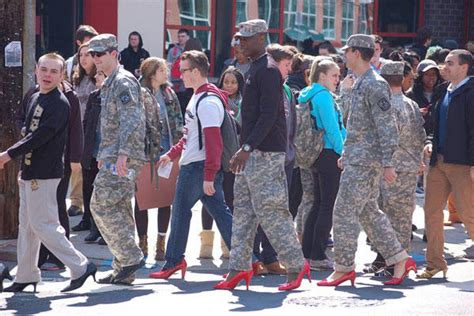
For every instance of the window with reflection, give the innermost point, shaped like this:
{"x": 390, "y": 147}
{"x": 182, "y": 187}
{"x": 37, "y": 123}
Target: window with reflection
{"x": 347, "y": 20}
{"x": 329, "y": 19}
{"x": 306, "y": 16}
{"x": 194, "y": 13}
{"x": 268, "y": 10}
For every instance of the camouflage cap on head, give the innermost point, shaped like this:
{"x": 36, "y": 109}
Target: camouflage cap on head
{"x": 102, "y": 43}
{"x": 252, "y": 27}
{"x": 393, "y": 68}
{"x": 360, "y": 41}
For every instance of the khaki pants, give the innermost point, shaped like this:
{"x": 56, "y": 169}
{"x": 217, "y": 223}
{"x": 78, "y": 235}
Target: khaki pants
{"x": 444, "y": 178}
{"x": 39, "y": 223}
{"x": 76, "y": 189}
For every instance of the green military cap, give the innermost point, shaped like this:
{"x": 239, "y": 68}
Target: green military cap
{"x": 102, "y": 43}
{"x": 360, "y": 41}
{"x": 252, "y": 27}
{"x": 393, "y": 68}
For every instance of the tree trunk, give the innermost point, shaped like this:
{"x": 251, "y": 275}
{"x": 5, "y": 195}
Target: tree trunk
{"x": 11, "y": 29}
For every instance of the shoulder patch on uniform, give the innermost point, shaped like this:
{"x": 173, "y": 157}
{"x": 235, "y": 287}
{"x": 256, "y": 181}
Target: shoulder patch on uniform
{"x": 125, "y": 97}
{"x": 383, "y": 103}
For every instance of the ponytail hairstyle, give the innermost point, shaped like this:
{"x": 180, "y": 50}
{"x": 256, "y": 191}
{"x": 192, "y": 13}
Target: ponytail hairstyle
{"x": 322, "y": 64}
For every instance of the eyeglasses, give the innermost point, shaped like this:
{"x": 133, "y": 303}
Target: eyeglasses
{"x": 185, "y": 69}
{"x": 98, "y": 54}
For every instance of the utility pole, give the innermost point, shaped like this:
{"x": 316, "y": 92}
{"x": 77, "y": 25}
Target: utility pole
{"x": 11, "y": 82}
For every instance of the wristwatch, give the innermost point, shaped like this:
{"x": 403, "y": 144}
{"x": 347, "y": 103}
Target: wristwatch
{"x": 247, "y": 148}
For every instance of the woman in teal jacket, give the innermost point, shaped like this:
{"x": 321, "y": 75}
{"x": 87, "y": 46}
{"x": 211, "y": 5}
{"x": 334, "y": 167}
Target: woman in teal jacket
{"x": 324, "y": 78}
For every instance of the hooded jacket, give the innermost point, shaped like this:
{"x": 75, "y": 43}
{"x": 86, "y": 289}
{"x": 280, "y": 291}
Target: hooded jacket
{"x": 327, "y": 115}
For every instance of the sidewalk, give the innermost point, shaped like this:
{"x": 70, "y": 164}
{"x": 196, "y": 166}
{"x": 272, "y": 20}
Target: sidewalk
{"x": 456, "y": 240}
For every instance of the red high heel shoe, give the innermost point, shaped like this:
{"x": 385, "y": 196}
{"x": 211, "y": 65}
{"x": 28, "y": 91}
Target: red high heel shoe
{"x": 165, "y": 274}
{"x": 296, "y": 283}
{"x": 255, "y": 267}
{"x": 346, "y": 276}
{"x": 410, "y": 265}
{"x": 232, "y": 283}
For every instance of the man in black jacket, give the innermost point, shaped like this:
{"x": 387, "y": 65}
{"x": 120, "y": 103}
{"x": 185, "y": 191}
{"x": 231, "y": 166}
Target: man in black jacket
{"x": 132, "y": 56}
{"x": 452, "y": 159}
{"x": 261, "y": 193}
{"x": 41, "y": 150}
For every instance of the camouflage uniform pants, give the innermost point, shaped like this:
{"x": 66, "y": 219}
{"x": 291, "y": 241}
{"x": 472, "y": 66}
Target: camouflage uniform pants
{"x": 398, "y": 203}
{"x": 261, "y": 197}
{"x": 112, "y": 210}
{"x": 307, "y": 199}
{"x": 356, "y": 203}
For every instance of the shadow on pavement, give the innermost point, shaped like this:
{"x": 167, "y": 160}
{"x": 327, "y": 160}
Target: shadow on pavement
{"x": 27, "y": 304}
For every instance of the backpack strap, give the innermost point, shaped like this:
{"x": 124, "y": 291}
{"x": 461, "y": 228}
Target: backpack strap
{"x": 203, "y": 96}
{"x": 288, "y": 92}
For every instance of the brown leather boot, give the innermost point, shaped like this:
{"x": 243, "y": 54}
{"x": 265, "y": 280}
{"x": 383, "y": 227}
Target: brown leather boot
{"x": 160, "y": 248}
{"x": 259, "y": 269}
{"x": 143, "y": 244}
{"x": 275, "y": 268}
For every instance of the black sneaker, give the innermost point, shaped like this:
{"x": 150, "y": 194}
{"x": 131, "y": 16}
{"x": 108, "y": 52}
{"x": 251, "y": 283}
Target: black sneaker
{"x": 74, "y": 210}
{"x": 82, "y": 226}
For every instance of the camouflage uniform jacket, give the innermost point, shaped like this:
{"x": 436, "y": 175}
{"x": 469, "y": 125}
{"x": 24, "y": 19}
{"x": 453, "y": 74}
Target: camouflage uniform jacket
{"x": 173, "y": 111}
{"x": 372, "y": 135}
{"x": 408, "y": 156}
{"x": 122, "y": 119}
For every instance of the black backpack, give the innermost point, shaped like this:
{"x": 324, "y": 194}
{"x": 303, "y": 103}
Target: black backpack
{"x": 230, "y": 139}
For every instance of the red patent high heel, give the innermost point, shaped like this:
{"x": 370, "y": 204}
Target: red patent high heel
{"x": 410, "y": 265}
{"x": 232, "y": 283}
{"x": 165, "y": 274}
{"x": 346, "y": 276}
{"x": 297, "y": 282}
{"x": 255, "y": 266}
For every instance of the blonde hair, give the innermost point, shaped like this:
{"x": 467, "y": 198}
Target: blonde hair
{"x": 54, "y": 56}
{"x": 321, "y": 66}
{"x": 149, "y": 67}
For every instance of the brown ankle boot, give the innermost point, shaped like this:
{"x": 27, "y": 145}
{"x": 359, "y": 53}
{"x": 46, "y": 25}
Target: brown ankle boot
{"x": 160, "y": 248}
{"x": 207, "y": 242}
{"x": 143, "y": 244}
{"x": 275, "y": 268}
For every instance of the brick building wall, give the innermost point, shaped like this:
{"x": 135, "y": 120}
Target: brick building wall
{"x": 445, "y": 18}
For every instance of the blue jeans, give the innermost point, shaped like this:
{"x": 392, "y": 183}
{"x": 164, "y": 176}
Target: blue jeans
{"x": 188, "y": 191}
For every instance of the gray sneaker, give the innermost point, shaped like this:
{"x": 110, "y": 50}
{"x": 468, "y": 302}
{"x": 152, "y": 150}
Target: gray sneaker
{"x": 321, "y": 265}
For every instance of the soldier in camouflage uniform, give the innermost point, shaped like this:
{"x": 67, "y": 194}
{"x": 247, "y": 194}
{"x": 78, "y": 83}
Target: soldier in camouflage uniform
{"x": 372, "y": 139}
{"x": 397, "y": 200}
{"x": 260, "y": 189}
{"x": 120, "y": 159}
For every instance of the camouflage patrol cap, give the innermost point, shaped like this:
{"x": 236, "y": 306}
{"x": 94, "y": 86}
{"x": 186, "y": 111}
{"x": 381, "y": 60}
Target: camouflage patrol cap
{"x": 393, "y": 68}
{"x": 102, "y": 43}
{"x": 252, "y": 27}
{"x": 360, "y": 41}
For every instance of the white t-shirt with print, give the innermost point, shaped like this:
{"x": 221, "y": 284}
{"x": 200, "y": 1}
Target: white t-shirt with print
{"x": 211, "y": 114}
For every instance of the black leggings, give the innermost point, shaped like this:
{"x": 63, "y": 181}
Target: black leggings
{"x": 141, "y": 220}
{"x": 326, "y": 176}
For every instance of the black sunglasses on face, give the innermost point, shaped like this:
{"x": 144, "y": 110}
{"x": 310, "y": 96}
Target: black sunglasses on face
{"x": 98, "y": 54}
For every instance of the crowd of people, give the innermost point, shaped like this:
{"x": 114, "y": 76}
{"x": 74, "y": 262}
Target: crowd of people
{"x": 290, "y": 154}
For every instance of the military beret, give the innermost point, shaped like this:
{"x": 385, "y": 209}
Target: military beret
{"x": 102, "y": 43}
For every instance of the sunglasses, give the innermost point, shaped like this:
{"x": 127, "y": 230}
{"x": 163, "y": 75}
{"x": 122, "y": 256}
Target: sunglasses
{"x": 98, "y": 54}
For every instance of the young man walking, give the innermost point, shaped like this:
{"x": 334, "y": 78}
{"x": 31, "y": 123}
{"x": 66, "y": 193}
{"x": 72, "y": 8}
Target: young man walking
{"x": 41, "y": 150}
{"x": 200, "y": 175}
{"x": 120, "y": 159}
